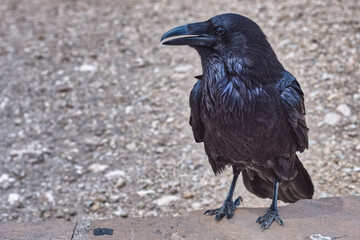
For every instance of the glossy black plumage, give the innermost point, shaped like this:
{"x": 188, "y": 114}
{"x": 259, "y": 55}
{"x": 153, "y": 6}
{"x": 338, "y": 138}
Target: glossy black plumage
{"x": 246, "y": 108}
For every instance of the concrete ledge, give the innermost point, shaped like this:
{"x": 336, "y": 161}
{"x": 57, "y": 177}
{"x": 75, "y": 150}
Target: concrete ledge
{"x": 325, "y": 219}
{"x": 54, "y": 230}
{"x": 331, "y": 218}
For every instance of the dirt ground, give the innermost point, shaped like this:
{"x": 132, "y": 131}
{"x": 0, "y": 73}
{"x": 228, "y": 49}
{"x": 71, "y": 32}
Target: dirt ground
{"x": 94, "y": 111}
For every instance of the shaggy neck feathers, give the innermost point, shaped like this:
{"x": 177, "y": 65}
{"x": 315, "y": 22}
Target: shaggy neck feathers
{"x": 231, "y": 87}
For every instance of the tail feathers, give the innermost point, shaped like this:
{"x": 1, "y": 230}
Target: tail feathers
{"x": 299, "y": 188}
{"x": 257, "y": 185}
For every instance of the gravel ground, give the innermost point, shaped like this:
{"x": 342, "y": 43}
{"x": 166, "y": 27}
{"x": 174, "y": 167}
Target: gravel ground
{"x": 94, "y": 111}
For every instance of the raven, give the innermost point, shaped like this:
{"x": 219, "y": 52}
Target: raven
{"x": 248, "y": 111}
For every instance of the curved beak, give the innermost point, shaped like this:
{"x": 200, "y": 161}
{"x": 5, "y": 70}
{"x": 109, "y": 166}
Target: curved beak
{"x": 195, "y": 34}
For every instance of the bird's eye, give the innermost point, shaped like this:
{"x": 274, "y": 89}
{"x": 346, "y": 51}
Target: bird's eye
{"x": 219, "y": 31}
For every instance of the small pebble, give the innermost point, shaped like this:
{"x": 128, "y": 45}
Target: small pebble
{"x": 115, "y": 174}
{"x": 344, "y": 110}
{"x": 165, "y": 200}
{"x": 13, "y": 198}
{"x": 87, "y": 68}
{"x": 97, "y": 167}
{"x": 120, "y": 183}
{"x": 183, "y": 68}
{"x": 120, "y": 212}
{"x": 332, "y": 118}
{"x": 187, "y": 195}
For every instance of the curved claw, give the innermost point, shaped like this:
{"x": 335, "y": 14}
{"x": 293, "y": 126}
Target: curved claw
{"x": 279, "y": 221}
{"x": 227, "y": 209}
{"x": 269, "y": 218}
{"x": 221, "y": 214}
{"x": 237, "y": 201}
{"x": 229, "y": 214}
{"x": 265, "y": 226}
{"x": 212, "y": 211}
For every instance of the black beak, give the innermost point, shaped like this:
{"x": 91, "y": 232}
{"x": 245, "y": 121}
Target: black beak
{"x": 196, "y": 34}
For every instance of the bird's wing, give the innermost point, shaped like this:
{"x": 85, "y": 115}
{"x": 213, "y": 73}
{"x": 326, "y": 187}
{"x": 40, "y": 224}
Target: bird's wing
{"x": 195, "y": 118}
{"x": 292, "y": 100}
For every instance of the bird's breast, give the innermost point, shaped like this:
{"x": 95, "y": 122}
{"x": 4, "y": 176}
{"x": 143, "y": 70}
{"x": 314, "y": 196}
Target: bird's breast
{"x": 231, "y": 101}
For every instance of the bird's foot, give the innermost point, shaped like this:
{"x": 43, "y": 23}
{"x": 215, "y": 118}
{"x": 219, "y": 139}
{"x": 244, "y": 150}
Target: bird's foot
{"x": 270, "y": 216}
{"x": 227, "y": 209}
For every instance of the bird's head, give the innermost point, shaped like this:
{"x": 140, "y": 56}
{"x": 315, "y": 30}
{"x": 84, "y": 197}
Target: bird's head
{"x": 220, "y": 34}
{"x": 227, "y": 37}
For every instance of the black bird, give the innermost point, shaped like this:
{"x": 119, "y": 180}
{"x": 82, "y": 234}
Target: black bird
{"x": 248, "y": 111}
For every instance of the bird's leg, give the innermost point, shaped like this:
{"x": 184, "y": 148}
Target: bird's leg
{"x": 272, "y": 213}
{"x": 229, "y": 206}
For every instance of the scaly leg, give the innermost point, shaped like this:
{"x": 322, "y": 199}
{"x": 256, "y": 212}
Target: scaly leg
{"x": 229, "y": 206}
{"x": 272, "y": 213}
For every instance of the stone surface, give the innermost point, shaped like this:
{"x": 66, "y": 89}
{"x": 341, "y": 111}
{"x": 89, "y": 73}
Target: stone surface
{"x": 81, "y": 231}
{"x": 327, "y": 218}
{"x": 54, "y": 230}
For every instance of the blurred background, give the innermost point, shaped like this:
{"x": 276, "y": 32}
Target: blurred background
{"x": 94, "y": 111}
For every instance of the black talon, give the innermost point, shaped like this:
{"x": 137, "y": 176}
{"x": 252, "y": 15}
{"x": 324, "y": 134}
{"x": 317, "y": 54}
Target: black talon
{"x": 238, "y": 200}
{"x": 212, "y": 211}
{"x": 229, "y": 206}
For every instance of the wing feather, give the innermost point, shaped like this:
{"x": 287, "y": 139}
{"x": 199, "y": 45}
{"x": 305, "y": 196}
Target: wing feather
{"x": 195, "y": 116}
{"x": 292, "y": 100}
